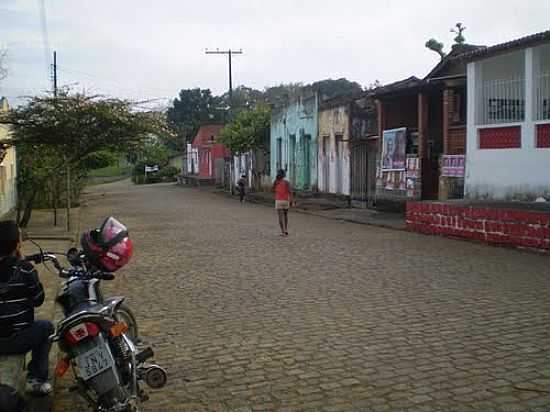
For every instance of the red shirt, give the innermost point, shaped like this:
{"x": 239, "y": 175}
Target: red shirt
{"x": 282, "y": 190}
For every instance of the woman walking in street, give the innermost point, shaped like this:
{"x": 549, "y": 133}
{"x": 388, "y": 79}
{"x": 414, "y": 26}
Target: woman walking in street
{"x": 283, "y": 200}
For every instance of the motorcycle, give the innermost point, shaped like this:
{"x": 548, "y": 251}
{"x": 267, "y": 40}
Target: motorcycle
{"x": 99, "y": 336}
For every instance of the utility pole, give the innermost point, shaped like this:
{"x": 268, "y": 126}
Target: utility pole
{"x": 54, "y": 186}
{"x": 55, "y": 74}
{"x": 68, "y": 168}
{"x": 230, "y": 54}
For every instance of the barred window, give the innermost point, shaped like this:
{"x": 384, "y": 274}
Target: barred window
{"x": 502, "y": 95}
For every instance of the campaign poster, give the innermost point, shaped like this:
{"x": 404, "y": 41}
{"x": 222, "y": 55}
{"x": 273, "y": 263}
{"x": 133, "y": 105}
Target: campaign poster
{"x": 394, "y": 145}
{"x": 452, "y": 165}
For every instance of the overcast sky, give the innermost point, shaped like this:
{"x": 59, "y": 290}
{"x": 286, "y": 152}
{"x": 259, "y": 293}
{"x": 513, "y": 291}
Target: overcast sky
{"x": 151, "y": 49}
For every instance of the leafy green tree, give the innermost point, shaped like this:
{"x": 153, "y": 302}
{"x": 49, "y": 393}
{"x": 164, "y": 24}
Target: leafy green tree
{"x": 329, "y": 88}
{"x": 192, "y": 108}
{"x": 100, "y": 159}
{"x": 53, "y": 134}
{"x": 282, "y": 92}
{"x": 249, "y": 131}
{"x": 243, "y": 98}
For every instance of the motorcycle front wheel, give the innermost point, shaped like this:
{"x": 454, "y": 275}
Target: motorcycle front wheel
{"x": 125, "y": 314}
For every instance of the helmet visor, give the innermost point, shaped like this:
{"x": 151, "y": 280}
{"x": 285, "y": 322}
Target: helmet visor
{"x": 112, "y": 231}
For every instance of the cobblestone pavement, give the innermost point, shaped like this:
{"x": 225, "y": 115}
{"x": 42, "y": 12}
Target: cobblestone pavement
{"x": 337, "y": 317}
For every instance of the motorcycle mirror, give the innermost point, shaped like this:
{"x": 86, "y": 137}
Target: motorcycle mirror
{"x": 72, "y": 255}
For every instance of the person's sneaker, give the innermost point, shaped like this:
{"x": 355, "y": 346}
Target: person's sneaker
{"x": 36, "y": 387}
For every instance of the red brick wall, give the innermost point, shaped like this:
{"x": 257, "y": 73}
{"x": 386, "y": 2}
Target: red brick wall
{"x": 492, "y": 225}
{"x": 543, "y": 135}
{"x": 457, "y": 141}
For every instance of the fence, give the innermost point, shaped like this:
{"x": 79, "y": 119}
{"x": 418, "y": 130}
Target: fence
{"x": 542, "y": 108}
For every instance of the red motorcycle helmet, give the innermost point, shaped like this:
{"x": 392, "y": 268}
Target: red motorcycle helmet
{"x": 108, "y": 248}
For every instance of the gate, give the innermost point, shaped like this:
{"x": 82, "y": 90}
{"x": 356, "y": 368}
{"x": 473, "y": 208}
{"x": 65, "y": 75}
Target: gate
{"x": 364, "y": 156}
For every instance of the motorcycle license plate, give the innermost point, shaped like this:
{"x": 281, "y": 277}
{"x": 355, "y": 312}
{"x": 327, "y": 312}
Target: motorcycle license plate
{"x": 93, "y": 362}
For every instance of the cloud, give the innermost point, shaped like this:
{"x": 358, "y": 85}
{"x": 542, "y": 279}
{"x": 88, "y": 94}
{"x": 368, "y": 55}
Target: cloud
{"x": 152, "y": 49}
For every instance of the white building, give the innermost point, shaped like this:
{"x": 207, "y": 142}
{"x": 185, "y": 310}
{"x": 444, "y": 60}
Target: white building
{"x": 255, "y": 166}
{"x": 8, "y": 169}
{"x": 508, "y": 126}
{"x": 334, "y": 152}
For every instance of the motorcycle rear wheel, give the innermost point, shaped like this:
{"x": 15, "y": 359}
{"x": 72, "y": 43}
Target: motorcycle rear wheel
{"x": 125, "y": 314}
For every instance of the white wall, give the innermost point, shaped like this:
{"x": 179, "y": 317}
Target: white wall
{"x": 242, "y": 166}
{"x": 8, "y": 180}
{"x": 192, "y": 159}
{"x": 334, "y": 122}
{"x": 8, "y": 170}
{"x": 521, "y": 174}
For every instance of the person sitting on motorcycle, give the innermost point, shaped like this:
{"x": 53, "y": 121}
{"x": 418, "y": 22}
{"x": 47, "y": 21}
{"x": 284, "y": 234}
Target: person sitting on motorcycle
{"x": 20, "y": 292}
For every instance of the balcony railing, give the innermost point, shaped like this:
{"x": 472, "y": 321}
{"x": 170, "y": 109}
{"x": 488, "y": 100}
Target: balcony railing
{"x": 542, "y": 93}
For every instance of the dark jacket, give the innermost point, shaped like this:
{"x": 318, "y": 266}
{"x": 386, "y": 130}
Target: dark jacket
{"x": 20, "y": 293}
{"x": 242, "y": 184}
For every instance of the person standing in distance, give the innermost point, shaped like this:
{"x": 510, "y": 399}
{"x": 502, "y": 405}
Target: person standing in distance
{"x": 283, "y": 200}
{"x": 242, "y": 188}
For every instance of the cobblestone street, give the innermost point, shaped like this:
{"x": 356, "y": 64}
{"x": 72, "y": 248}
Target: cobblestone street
{"x": 337, "y": 317}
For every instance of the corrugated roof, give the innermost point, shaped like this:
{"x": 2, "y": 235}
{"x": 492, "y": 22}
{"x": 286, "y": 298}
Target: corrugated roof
{"x": 456, "y": 51}
{"x": 523, "y": 42}
{"x": 408, "y": 83}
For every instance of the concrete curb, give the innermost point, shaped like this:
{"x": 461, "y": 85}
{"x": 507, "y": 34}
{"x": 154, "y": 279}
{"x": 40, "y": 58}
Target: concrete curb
{"x": 314, "y": 213}
{"x": 347, "y": 220}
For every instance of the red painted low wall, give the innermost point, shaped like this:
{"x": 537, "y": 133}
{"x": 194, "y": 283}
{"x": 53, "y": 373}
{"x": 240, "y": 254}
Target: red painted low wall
{"x": 493, "y": 225}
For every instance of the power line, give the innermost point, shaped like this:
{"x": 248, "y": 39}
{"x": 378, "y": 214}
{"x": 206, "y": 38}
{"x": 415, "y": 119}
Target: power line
{"x": 230, "y": 54}
{"x": 114, "y": 82}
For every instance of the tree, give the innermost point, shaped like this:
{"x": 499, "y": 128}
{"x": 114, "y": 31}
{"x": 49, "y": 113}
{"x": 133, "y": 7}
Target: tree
{"x": 192, "y": 108}
{"x": 100, "y": 159}
{"x": 329, "y": 88}
{"x": 249, "y": 131}
{"x": 55, "y": 133}
{"x": 243, "y": 98}
{"x": 373, "y": 85}
{"x": 282, "y": 92}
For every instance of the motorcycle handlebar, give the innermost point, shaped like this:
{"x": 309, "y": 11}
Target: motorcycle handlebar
{"x": 65, "y": 273}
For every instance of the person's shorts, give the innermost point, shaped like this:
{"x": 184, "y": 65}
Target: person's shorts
{"x": 282, "y": 204}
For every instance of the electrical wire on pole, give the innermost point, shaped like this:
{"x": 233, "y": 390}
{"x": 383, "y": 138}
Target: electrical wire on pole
{"x": 230, "y": 54}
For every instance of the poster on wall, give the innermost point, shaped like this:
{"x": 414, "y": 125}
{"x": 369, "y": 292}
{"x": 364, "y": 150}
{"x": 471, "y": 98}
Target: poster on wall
{"x": 452, "y": 165}
{"x": 394, "y": 144}
{"x": 379, "y": 177}
{"x": 402, "y": 181}
{"x": 411, "y": 185}
{"x": 412, "y": 166}
{"x": 388, "y": 181}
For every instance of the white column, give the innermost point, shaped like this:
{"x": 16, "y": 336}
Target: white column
{"x": 528, "y": 127}
{"x": 471, "y": 118}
